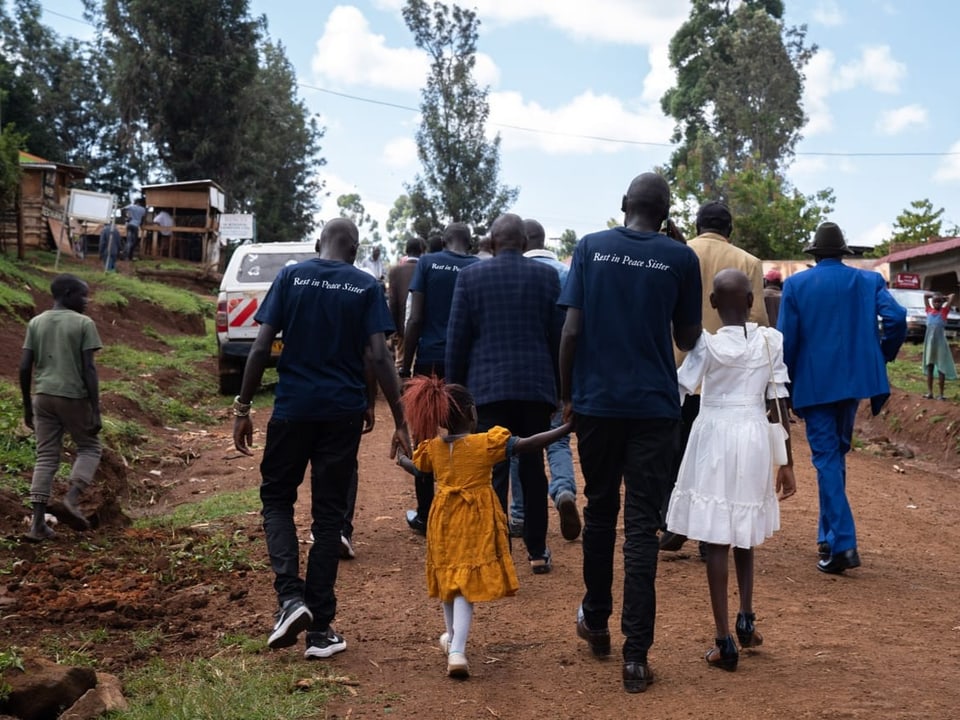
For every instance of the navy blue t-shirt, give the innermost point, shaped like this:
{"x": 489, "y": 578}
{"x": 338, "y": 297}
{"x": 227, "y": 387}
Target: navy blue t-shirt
{"x": 435, "y": 277}
{"x": 327, "y": 310}
{"x": 630, "y": 286}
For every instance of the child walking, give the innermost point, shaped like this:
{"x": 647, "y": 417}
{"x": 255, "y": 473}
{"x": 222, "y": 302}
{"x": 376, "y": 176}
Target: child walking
{"x": 936, "y": 350}
{"x": 725, "y": 493}
{"x": 468, "y": 548}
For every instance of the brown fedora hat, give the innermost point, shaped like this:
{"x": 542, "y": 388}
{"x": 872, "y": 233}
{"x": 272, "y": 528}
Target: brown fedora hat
{"x": 828, "y": 240}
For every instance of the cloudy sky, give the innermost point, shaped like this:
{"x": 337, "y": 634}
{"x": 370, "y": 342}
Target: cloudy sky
{"x": 575, "y": 89}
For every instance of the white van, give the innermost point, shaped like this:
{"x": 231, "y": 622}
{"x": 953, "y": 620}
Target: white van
{"x": 248, "y": 276}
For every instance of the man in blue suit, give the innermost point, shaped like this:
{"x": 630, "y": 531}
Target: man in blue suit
{"x": 828, "y": 317}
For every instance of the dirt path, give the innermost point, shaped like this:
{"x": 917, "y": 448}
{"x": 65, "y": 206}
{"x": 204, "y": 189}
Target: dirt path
{"x": 881, "y": 641}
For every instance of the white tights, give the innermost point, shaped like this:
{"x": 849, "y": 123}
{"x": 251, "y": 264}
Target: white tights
{"x": 457, "y": 616}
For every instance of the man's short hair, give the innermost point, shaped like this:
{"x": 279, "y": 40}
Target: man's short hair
{"x": 715, "y": 216}
{"x": 64, "y": 285}
{"x": 414, "y": 246}
{"x": 457, "y": 231}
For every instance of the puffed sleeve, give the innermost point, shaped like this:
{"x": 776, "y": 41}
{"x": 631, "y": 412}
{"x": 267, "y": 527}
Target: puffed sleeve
{"x": 498, "y": 442}
{"x": 781, "y": 375}
{"x": 421, "y": 458}
{"x": 690, "y": 373}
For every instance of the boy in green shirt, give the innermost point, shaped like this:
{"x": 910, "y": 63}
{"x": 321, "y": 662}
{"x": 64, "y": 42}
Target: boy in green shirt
{"x": 60, "y": 344}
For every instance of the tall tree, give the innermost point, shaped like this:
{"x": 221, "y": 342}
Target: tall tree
{"x": 460, "y": 180}
{"x": 737, "y": 104}
{"x": 568, "y": 242}
{"x": 351, "y": 206}
{"x": 180, "y": 69}
{"x": 915, "y": 225}
{"x": 402, "y": 224}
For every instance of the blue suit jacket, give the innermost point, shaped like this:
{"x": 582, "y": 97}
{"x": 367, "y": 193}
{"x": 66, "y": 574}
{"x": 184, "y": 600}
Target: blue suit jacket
{"x": 504, "y": 330}
{"x": 831, "y": 343}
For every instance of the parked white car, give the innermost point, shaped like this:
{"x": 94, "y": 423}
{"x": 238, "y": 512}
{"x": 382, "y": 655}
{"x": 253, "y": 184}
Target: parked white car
{"x": 913, "y": 301}
{"x": 248, "y": 276}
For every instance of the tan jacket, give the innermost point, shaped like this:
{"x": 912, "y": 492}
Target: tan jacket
{"x": 715, "y": 254}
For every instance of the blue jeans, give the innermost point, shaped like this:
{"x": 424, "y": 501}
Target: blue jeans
{"x": 331, "y": 450}
{"x": 829, "y": 433}
{"x": 639, "y": 453}
{"x": 560, "y": 460}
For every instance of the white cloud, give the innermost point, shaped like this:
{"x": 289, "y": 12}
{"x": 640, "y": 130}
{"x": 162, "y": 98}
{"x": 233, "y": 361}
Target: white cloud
{"x": 588, "y": 114}
{"x": 806, "y": 166}
{"x": 827, "y": 12}
{"x": 873, "y": 236}
{"x": 950, "y": 165}
{"x": 349, "y": 53}
{"x": 893, "y": 122}
{"x": 400, "y": 152}
{"x": 875, "y": 69}
{"x": 621, "y": 21}
{"x": 661, "y": 77}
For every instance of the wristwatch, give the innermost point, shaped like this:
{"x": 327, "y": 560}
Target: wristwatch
{"x": 241, "y": 409}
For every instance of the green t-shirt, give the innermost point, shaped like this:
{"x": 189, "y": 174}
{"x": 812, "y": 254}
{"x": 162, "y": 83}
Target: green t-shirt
{"x": 58, "y": 339}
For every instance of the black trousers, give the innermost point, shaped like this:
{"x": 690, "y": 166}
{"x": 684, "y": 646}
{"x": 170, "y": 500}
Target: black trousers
{"x": 688, "y": 413}
{"x": 523, "y": 419}
{"x": 640, "y": 453}
{"x": 331, "y": 450}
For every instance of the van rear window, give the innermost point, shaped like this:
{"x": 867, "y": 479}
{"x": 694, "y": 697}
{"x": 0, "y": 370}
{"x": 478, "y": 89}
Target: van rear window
{"x": 263, "y": 268}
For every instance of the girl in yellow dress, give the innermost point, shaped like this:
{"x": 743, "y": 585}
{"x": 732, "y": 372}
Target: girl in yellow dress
{"x": 468, "y": 548}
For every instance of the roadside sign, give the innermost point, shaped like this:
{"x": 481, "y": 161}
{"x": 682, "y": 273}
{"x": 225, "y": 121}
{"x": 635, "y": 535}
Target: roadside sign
{"x": 236, "y": 226}
{"x": 906, "y": 281}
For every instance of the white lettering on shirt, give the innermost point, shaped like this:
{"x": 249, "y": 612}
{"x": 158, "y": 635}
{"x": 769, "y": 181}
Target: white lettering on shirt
{"x": 648, "y": 263}
{"x": 436, "y": 266}
{"x": 326, "y": 285}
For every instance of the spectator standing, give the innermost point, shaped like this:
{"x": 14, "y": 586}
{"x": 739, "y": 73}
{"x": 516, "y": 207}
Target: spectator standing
{"x": 60, "y": 345}
{"x": 772, "y": 291}
{"x": 332, "y": 316}
{"x": 502, "y": 344}
{"x": 828, "y": 317}
{"x": 110, "y": 246}
{"x": 937, "y": 356}
{"x": 628, "y": 286}
{"x": 135, "y": 213}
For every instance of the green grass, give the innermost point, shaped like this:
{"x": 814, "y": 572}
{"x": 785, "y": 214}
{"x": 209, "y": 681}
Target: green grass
{"x": 110, "y": 297}
{"x": 17, "y": 447}
{"x": 231, "y": 686}
{"x": 215, "y": 507}
{"x": 9, "y": 658}
{"x": 169, "y": 298}
{"x": 906, "y": 372}
{"x": 70, "y": 649}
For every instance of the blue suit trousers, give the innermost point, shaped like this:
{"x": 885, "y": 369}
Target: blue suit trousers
{"x": 829, "y": 433}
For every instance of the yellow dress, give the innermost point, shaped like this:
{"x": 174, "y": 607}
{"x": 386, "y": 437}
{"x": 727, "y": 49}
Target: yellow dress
{"x": 468, "y": 548}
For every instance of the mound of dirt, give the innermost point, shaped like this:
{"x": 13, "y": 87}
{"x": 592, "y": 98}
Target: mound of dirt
{"x": 909, "y": 425}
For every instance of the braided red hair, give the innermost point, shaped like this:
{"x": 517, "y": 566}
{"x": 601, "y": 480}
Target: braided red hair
{"x": 429, "y": 404}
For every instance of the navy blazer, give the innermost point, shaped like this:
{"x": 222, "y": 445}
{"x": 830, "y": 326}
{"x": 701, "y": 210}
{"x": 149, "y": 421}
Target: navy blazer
{"x": 504, "y": 331}
{"x": 831, "y": 341}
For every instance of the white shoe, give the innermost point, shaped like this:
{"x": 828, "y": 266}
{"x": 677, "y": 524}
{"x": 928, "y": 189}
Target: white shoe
{"x": 346, "y": 548}
{"x": 457, "y": 666}
{"x": 445, "y": 643}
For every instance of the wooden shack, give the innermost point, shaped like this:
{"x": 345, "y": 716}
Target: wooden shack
{"x": 195, "y": 207}
{"x": 44, "y": 193}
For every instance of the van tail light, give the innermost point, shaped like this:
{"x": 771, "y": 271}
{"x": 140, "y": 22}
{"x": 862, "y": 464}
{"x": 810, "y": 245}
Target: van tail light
{"x": 222, "y": 316}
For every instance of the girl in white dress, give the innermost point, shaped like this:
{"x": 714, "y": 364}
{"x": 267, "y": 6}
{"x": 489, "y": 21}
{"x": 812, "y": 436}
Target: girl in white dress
{"x": 725, "y": 493}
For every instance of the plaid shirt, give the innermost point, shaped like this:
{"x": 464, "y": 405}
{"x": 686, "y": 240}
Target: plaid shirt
{"x": 504, "y": 330}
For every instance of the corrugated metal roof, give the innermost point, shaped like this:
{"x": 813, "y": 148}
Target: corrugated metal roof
{"x": 933, "y": 248}
{"x": 184, "y": 185}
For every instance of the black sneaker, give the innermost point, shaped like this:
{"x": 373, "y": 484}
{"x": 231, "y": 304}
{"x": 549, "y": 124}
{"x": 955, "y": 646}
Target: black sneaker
{"x": 598, "y": 640}
{"x": 570, "y": 525}
{"x": 292, "y": 619}
{"x": 324, "y": 644}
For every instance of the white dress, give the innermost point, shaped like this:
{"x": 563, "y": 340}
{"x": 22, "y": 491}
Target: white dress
{"x": 725, "y": 487}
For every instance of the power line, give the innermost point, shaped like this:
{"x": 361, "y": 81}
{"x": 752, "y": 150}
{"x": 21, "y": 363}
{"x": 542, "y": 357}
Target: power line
{"x": 578, "y": 136}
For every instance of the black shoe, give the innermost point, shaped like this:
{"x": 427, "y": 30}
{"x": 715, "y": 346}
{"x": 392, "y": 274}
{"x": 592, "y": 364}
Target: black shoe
{"x": 747, "y": 633}
{"x": 636, "y": 676}
{"x": 416, "y": 523}
{"x": 724, "y": 655}
{"x": 570, "y": 525}
{"x": 671, "y": 542}
{"x": 839, "y": 562}
{"x": 598, "y": 640}
{"x": 823, "y": 550}
{"x": 292, "y": 619}
{"x": 702, "y": 549}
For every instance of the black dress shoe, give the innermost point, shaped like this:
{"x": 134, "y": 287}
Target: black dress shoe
{"x": 671, "y": 542}
{"x": 636, "y": 676}
{"x": 598, "y": 640}
{"x": 823, "y": 550}
{"x": 839, "y": 562}
{"x": 416, "y": 523}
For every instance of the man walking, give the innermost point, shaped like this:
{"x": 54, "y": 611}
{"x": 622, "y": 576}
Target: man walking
{"x": 332, "y": 315}
{"x": 628, "y": 286}
{"x": 425, "y": 337}
{"x": 502, "y": 344}
{"x": 135, "y": 212}
{"x": 398, "y": 287}
{"x": 828, "y": 317}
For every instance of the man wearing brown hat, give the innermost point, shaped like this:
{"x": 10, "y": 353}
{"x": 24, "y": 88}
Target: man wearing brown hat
{"x": 715, "y": 252}
{"x": 828, "y": 317}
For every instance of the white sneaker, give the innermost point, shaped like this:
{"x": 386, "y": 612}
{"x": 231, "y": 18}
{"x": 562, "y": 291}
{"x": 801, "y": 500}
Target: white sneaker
{"x": 346, "y": 548}
{"x": 457, "y": 666}
{"x": 445, "y": 643}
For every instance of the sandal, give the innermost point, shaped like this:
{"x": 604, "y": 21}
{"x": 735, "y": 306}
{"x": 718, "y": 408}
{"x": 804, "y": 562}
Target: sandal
{"x": 724, "y": 655}
{"x": 747, "y": 632}
{"x": 543, "y": 564}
